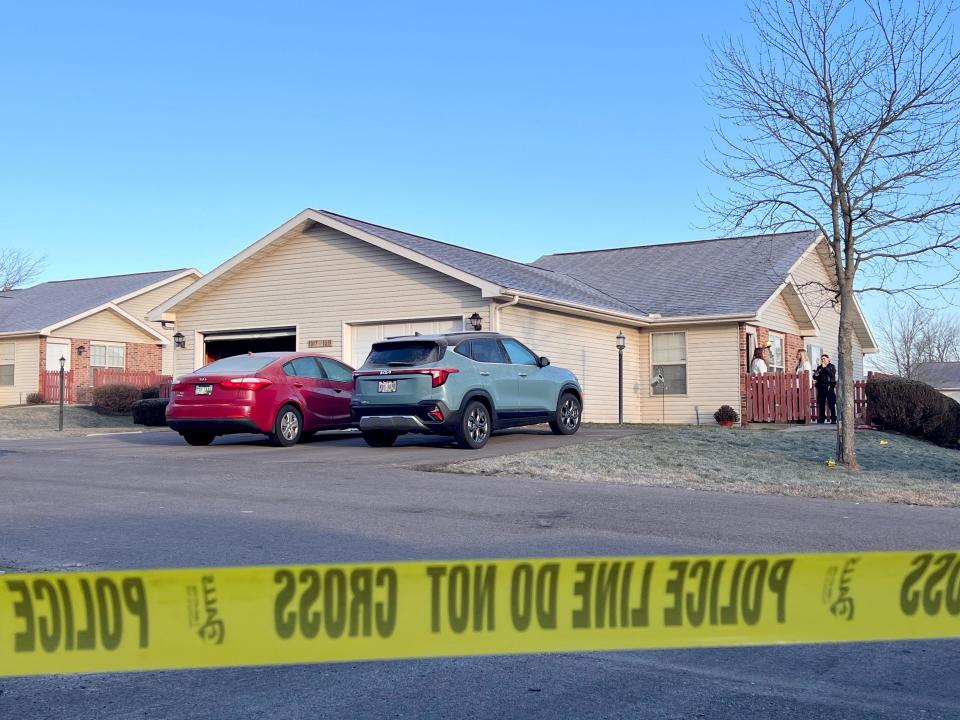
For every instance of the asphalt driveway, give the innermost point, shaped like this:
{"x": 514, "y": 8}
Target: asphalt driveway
{"x": 150, "y": 500}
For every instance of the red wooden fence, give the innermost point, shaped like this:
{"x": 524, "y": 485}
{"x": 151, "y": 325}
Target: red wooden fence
{"x": 789, "y": 397}
{"x": 80, "y": 389}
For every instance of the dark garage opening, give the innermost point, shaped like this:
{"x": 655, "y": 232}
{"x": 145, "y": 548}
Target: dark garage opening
{"x": 240, "y": 342}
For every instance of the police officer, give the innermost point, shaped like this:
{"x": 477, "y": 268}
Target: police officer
{"x": 825, "y": 380}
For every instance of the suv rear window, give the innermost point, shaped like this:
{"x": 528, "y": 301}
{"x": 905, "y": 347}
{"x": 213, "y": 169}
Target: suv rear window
{"x": 238, "y": 363}
{"x": 404, "y": 353}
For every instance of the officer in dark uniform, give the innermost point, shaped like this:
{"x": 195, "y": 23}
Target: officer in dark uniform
{"x": 825, "y": 380}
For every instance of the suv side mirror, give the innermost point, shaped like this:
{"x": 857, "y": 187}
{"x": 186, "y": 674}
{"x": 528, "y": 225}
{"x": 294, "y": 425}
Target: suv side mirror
{"x": 543, "y": 361}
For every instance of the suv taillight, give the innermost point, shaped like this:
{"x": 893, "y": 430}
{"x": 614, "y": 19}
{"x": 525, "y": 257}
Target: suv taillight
{"x": 253, "y": 383}
{"x": 440, "y": 375}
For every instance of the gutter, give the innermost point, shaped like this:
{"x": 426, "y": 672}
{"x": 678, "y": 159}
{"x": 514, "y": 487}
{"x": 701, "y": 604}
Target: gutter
{"x": 500, "y": 307}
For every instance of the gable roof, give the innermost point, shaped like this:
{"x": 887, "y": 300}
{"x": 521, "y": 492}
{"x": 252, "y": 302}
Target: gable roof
{"x": 707, "y": 280}
{"x": 508, "y": 274}
{"x": 53, "y": 303}
{"x": 942, "y": 375}
{"x": 728, "y": 276}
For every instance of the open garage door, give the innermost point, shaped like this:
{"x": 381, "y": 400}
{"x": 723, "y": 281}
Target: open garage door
{"x": 364, "y": 336}
{"x": 223, "y": 344}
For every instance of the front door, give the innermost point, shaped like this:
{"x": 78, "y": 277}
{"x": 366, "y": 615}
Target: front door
{"x": 57, "y": 349}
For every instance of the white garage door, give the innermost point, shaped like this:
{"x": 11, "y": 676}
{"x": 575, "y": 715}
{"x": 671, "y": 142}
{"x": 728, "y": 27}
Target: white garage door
{"x": 364, "y": 336}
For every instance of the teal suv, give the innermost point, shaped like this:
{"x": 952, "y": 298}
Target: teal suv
{"x": 464, "y": 384}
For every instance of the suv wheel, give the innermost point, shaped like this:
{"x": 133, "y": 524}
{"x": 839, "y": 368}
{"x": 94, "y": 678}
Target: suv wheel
{"x": 475, "y": 425}
{"x": 380, "y": 438}
{"x": 567, "y": 419}
{"x": 197, "y": 438}
{"x": 288, "y": 427}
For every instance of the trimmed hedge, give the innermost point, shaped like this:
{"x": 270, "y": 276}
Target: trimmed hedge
{"x": 914, "y": 408}
{"x": 35, "y": 398}
{"x": 150, "y": 393}
{"x": 150, "y": 412}
{"x": 115, "y": 398}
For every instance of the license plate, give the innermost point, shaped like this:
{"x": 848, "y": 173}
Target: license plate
{"x": 203, "y": 389}
{"x": 387, "y": 386}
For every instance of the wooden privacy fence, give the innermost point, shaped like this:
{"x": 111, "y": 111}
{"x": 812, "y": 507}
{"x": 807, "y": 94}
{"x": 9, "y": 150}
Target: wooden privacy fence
{"x": 78, "y": 386}
{"x": 790, "y": 397}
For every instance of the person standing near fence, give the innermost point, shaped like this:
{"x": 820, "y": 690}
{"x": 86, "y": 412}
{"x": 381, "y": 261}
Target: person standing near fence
{"x": 759, "y": 364}
{"x": 803, "y": 362}
{"x": 825, "y": 380}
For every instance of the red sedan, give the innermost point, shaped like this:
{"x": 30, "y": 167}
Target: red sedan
{"x": 282, "y": 394}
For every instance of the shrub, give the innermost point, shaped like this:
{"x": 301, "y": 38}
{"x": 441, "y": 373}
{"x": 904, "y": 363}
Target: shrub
{"x": 914, "y": 408}
{"x": 35, "y": 399}
{"x": 115, "y": 398}
{"x": 726, "y": 414}
{"x": 150, "y": 412}
{"x": 150, "y": 393}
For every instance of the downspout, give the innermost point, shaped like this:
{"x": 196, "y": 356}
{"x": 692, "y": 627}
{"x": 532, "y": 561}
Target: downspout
{"x": 499, "y": 308}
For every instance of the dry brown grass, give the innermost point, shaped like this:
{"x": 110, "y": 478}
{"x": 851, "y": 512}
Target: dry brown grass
{"x": 748, "y": 461}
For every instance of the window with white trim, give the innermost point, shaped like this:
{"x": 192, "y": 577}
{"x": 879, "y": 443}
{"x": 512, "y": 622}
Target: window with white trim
{"x": 777, "y": 362}
{"x": 107, "y": 356}
{"x": 668, "y": 357}
{"x": 7, "y": 362}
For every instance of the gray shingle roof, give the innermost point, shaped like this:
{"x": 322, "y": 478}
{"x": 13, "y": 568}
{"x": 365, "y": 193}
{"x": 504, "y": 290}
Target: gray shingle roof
{"x": 727, "y": 276}
{"x": 942, "y": 375}
{"x": 506, "y": 273}
{"x": 33, "y": 308}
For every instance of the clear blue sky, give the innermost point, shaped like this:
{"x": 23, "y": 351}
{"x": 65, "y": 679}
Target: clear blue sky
{"x": 138, "y": 138}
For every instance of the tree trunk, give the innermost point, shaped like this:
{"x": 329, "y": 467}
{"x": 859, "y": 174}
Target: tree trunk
{"x": 846, "y": 408}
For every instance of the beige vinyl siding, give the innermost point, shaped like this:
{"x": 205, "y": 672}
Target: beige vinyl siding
{"x": 141, "y": 305}
{"x": 778, "y": 317}
{"x": 713, "y": 376}
{"x": 108, "y": 326}
{"x": 810, "y": 276}
{"x": 589, "y": 349}
{"x": 320, "y": 281}
{"x": 26, "y": 373}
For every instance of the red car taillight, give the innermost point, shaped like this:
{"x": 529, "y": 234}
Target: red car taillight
{"x": 253, "y": 383}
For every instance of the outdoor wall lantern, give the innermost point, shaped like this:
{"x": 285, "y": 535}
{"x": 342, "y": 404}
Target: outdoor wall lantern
{"x": 476, "y": 322}
{"x": 81, "y": 349}
{"x": 179, "y": 341}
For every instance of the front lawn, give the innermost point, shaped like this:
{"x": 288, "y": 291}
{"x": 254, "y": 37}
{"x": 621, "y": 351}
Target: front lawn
{"x": 753, "y": 461}
{"x": 20, "y": 422}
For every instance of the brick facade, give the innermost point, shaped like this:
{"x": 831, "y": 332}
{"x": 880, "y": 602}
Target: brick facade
{"x": 791, "y": 343}
{"x": 137, "y": 357}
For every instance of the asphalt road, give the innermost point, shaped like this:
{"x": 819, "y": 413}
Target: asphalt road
{"x": 150, "y": 501}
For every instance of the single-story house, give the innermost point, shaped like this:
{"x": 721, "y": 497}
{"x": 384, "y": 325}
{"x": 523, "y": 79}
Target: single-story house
{"x": 944, "y": 376}
{"x": 692, "y": 312}
{"x": 92, "y": 323}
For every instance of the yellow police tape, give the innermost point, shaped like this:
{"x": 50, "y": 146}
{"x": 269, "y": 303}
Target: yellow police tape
{"x": 218, "y": 617}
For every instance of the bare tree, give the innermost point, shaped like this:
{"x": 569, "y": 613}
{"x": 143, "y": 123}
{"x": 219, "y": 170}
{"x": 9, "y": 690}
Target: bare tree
{"x": 18, "y": 267}
{"x": 845, "y": 118}
{"x": 913, "y": 335}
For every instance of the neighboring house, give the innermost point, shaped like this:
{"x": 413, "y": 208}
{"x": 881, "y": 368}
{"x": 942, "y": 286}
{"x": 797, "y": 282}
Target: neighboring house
{"x": 91, "y": 323}
{"x": 693, "y": 310}
{"x": 944, "y": 376}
